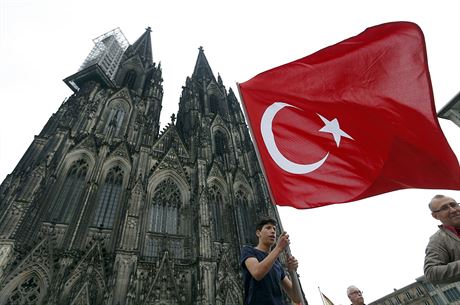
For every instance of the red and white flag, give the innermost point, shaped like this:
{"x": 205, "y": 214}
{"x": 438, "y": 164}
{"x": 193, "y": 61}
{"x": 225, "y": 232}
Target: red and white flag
{"x": 350, "y": 121}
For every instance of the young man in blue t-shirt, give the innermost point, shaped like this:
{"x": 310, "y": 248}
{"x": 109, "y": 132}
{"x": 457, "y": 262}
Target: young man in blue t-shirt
{"x": 262, "y": 270}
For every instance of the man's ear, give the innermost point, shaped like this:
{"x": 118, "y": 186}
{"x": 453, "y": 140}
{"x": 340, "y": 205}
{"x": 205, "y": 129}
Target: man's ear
{"x": 435, "y": 216}
{"x": 258, "y": 233}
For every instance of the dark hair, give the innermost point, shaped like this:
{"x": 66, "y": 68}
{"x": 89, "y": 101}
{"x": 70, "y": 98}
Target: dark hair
{"x": 263, "y": 221}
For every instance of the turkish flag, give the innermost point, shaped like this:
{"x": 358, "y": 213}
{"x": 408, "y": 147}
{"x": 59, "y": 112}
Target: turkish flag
{"x": 350, "y": 121}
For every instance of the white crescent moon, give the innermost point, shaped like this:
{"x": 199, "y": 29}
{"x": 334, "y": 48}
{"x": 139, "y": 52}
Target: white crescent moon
{"x": 269, "y": 139}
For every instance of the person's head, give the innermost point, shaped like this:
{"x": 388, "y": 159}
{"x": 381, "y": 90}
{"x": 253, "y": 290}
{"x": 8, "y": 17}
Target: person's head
{"x": 266, "y": 230}
{"x": 446, "y": 210}
{"x": 355, "y": 295}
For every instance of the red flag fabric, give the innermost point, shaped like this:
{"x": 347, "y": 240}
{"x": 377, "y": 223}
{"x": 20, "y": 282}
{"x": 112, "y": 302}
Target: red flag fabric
{"x": 350, "y": 121}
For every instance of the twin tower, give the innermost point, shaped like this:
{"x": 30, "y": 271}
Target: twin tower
{"x": 104, "y": 208}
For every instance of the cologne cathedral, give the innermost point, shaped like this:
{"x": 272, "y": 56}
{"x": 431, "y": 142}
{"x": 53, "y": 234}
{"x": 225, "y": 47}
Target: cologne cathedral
{"x": 105, "y": 208}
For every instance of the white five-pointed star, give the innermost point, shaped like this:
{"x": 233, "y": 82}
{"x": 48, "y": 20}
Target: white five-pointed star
{"x": 334, "y": 128}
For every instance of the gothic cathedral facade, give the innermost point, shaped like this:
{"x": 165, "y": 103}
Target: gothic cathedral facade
{"x": 106, "y": 208}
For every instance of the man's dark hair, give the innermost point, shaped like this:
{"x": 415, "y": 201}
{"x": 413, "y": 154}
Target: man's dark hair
{"x": 265, "y": 220}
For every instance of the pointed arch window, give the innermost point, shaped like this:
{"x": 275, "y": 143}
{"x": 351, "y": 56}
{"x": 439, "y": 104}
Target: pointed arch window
{"x": 216, "y": 202}
{"x": 27, "y": 293}
{"x": 163, "y": 214}
{"x": 109, "y": 198}
{"x": 214, "y": 104}
{"x": 130, "y": 79}
{"x": 220, "y": 145}
{"x": 246, "y": 215}
{"x": 115, "y": 119}
{"x": 71, "y": 192}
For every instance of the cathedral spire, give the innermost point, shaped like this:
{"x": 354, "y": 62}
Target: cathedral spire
{"x": 202, "y": 68}
{"x": 143, "y": 46}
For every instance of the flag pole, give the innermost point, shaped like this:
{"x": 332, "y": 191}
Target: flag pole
{"x": 321, "y": 294}
{"x": 255, "y": 142}
{"x": 324, "y": 298}
{"x": 293, "y": 275}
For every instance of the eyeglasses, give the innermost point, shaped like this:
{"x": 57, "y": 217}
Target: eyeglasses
{"x": 447, "y": 206}
{"x": 356, "y": 292}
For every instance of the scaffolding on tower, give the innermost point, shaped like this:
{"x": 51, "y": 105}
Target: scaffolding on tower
{"x": 102, "y": 62}
{"x": 107, "y": 52}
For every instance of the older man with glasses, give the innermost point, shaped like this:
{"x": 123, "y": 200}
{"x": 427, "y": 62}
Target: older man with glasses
{"x": 442, "y": 255}
{"x": 355, "y": 295}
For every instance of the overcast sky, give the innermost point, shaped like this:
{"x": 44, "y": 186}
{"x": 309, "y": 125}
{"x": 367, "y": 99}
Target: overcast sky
{"x": 377, "y": 244}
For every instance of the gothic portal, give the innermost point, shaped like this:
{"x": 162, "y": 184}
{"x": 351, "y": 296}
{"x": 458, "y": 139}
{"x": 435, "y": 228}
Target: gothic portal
{"x": 104, "y": 208}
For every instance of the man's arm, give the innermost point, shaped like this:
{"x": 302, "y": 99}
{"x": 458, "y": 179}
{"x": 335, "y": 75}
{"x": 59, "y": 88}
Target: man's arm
{"x": 260, "y": 269}
{"x": 437, "y": 267}
{"x": 292, "y": 288}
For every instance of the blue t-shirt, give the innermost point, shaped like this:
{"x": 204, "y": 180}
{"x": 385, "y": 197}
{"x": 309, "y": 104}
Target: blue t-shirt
{"x": 266, "y": 291}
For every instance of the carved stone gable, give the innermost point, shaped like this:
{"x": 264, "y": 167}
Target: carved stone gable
{"x": 240, "y": 176}
{"x": 213, "y": 87}
{"x": 134, "y": 61}
{"x": 170, "y": 138}
{"x": 121, "y": 151}
{"x": 171, "y": 161}
{"x": 88, "y": 143}
{"x": 122, "y": 94}
{"x": 228, "y": 282}
{"x": 164, "y": 289}
{"x": 139, "y": 186}
{"x": 82, "y": 297}
{"x": 215, "y": 171}
{"x": 217, "y": 121}
{"x": 92, "y": 262}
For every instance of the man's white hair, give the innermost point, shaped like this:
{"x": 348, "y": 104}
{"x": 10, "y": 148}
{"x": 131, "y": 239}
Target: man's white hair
{"x": 352, "y": 287}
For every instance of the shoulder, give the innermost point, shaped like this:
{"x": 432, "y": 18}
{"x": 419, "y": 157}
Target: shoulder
{"x": 246, "y": 249}
{"x": 434, "y": 240}
{"x": 442, "y": 239}
{"x": 439, "y": 236}
{"x": 253, "y": 251}
{"x": 246, "y": 252}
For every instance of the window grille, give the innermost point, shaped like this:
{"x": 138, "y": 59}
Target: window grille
{"x": 246, "y": 216}
{"x": 216, "y": 203}
{"x": 26, "y": 293}
{"x": 452, "y": 294}
{"x": 130, "y": 79}
{"x": 109, "y": 198}
{"x": 214, "y": 104}
{"x": 71, "y": 191}
{"x": 163, "y": 214}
